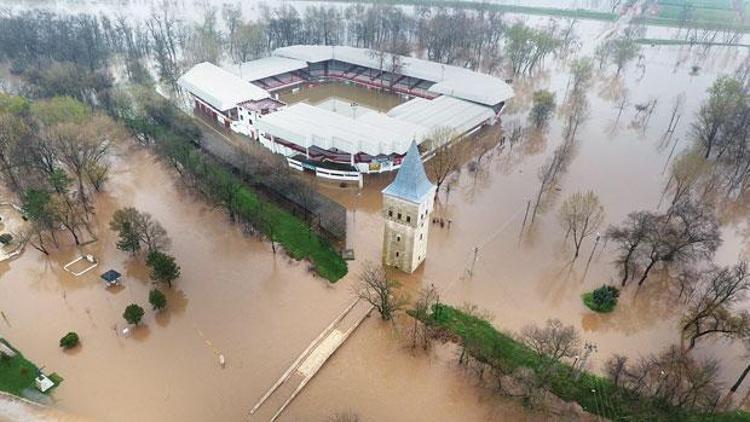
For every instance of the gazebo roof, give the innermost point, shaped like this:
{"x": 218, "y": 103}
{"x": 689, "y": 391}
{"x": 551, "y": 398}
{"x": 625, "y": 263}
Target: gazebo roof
{"x": 411, "y": 183}
{"x": 111, "y": 276}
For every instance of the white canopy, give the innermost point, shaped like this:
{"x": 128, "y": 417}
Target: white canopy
{"x": 219, "y": 88}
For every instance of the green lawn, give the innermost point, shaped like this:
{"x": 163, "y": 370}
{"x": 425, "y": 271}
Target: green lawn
{"x": 595, "y": 394}
{"x": 17, "y": 374}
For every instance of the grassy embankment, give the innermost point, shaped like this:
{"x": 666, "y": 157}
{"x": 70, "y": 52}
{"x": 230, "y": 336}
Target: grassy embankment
{"x": 219, "y": 183}
{"x": 709, "y": 14}
{"x": 501, "y": 8}
{"x": 595, "y": 394}
{"x": 17, "y": 373}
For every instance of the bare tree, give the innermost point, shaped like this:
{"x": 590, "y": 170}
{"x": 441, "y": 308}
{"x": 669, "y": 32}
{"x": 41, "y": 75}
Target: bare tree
{"x": 711, "y": 306}
{"x": 555, "y": 340}
{"x": 743, "y": 374}
{"x": 544, "y": 107}
{"x": 674, "y": 377}
{"x": 580, "y": 215}
{"x": 376, "y": 289}
{"x": 420, "y": 311}
{"x": 688, "y": 232}
{"x": 687, "y": 172}
{"x": 446, "y": 158}
{"x": 549, "y": 172}
{"x": 629, "y": 236}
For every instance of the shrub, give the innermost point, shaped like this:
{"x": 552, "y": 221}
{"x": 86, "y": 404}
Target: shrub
{"x": 157, "y": 299}
{"x": 70, "y": 340}
{"x": 133, "y": 314}
{"x": 5, "y": 238}
{"x": 603, "y": 299}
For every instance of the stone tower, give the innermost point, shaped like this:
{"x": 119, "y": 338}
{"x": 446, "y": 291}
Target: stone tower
{"x": 407, "y": 205}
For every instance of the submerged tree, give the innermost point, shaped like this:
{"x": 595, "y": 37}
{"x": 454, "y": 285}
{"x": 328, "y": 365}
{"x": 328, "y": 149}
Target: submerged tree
{"x": 446, "y": 157}
{"x": 727, "y": 98}
{"x": 428, "y": 296}
{"x": 580, "y": 215}
{"x": 138, "y": 229}
{"x": 133, "y": 314}
{"x": 544, "y": 107}
{"x": 711, "y": 306}
{"x": 164, "y": 269}
{"x": 672, "y": 376}
{"x": 376, "y": 289}
{"x": 157, "y": 299}
{"x": 688, "y": 232}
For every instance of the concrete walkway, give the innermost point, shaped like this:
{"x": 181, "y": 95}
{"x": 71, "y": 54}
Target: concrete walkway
{"x": 270, "y": 406}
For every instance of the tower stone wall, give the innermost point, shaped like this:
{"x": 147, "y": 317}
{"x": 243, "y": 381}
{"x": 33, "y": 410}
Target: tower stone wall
{"x": 407, "y": 206}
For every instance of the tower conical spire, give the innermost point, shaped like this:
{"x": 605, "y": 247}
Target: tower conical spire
{"x": 411, "y": 182}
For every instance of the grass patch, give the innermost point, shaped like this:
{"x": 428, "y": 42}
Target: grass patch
{"x": 662, "y": 41}
{"x": 595, "y": 394}
{"x": 17, "y": 373}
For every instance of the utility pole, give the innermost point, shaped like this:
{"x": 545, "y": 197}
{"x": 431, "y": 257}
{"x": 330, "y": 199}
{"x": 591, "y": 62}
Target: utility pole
{"x": 474, "y": 261}
{"x": 525, "y": 216}
{"x": 596, "y": 243}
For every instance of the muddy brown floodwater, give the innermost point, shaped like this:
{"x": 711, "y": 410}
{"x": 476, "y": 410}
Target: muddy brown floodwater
{"x": 528, "y": 280}
{"x": 261, "y": 310}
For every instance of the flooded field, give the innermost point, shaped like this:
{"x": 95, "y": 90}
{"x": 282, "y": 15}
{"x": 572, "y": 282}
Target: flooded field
{"x": 527, "y": 279}
{"x": 260, "y": 310}
{"x": 345, "y": 98}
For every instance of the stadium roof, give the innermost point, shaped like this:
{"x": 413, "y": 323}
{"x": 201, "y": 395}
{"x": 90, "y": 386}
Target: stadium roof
{"x": 265, "y": 67}
{"x": 411, "y": 182}
{"x": 219, "y": 88}
{"x": 450, "y": 80}
{"x": 372, "y": 132}
{"x": 308, "y": 125}
{"x": 442, "y": 112}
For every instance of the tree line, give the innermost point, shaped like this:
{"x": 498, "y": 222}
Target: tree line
{"x": 90, "y": 46}
{"x": 54, "y": 156}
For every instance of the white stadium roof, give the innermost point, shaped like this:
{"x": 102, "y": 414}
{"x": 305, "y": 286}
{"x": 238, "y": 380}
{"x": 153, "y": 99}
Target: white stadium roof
{"x": 450, "y": 80}
{"x": 458, "y": 115}
{"x": 307, "y": 125}
{"x": 219, "y": 88}
{"x": 372, "y": 132}
{"x": 265, "y": 67}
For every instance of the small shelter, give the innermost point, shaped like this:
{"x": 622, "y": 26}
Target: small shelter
{"x": 43, "y": 383}
{"x": 111, "y": 278}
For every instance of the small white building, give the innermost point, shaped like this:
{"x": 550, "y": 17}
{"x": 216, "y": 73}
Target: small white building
{"x": 407, "y": 206}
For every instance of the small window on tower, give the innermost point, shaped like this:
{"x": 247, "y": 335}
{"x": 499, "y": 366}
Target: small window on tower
{"x": 399, "y": 216}
{"x": 390, "y": 213}
{"x": 398, "y": 238}
{"x": 396, "y": 254}
{"x": 420, "y": 236}
{"x": 408, "y": 219}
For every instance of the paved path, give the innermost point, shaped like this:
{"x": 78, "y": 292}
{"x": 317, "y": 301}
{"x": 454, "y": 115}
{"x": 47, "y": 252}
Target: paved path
{"x": 270, "y": 406}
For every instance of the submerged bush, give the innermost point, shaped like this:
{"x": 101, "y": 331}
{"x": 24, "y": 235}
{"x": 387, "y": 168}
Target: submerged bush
{"x": 70, "y": 340}
{"x": 5, "y": 238}
{"x": 603, "y": 299}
